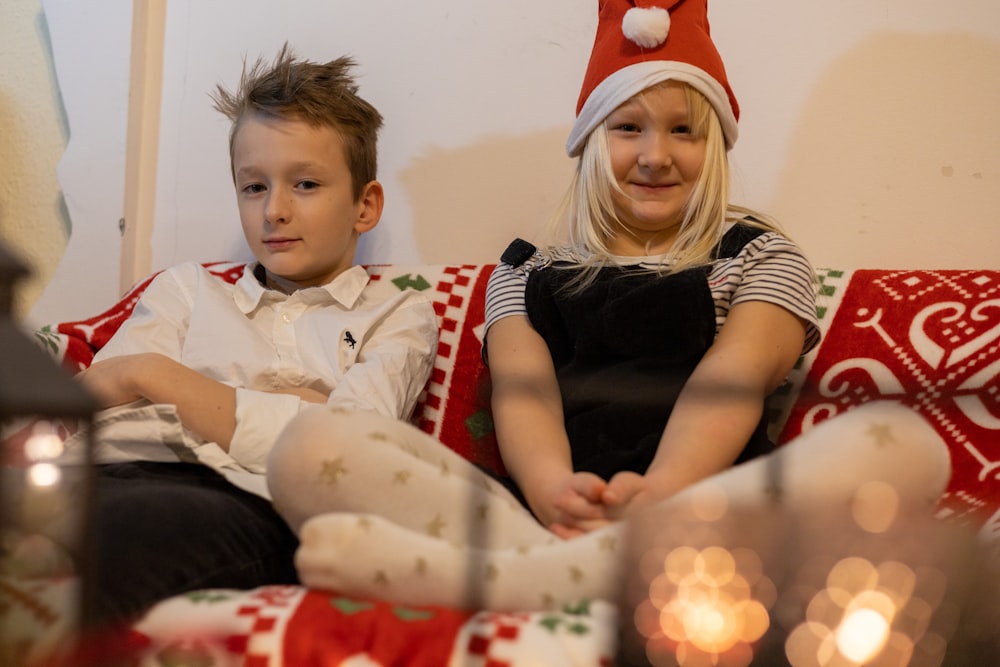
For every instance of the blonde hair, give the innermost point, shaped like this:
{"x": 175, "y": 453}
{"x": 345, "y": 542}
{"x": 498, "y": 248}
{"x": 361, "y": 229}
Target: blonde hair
{"x": 587, "y": 216}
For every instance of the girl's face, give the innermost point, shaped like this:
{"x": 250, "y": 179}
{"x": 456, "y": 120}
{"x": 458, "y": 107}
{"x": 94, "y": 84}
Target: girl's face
{"x": 656, "y": 160}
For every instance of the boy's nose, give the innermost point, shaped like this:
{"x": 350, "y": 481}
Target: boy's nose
{"x": 278, "y": 208}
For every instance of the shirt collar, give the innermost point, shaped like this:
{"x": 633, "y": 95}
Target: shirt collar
{"x": 250, "y": 293}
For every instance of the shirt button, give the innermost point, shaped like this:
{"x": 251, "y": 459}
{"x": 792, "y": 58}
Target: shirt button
{"x": 286, "y": 318}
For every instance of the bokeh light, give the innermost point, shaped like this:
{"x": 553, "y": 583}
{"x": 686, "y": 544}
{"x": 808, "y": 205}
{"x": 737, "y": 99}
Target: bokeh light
{"x": 704, "y": 606}
{"x": 44, "y": 475}
{"x": 44, "y": 443}
{"x": 875, "y": 506}
{"x": 867, "y": 614}
{"x": 864, "y": 583}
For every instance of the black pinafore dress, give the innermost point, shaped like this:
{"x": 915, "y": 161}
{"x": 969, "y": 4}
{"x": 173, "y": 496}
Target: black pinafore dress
{"x": 623, "y": 349}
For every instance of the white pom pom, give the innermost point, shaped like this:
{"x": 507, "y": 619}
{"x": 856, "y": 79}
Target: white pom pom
{"x": 646, "y": 26}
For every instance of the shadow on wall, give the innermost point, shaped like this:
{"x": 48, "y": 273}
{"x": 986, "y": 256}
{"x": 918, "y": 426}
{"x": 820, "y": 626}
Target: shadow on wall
{"x": 468, "y": 204}
{"x": 34, "y": 222}
{"x": 896, "y": 161}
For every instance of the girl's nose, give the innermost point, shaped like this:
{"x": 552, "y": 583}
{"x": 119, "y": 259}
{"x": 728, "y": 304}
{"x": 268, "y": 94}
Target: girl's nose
{"x": 655, "y": 152}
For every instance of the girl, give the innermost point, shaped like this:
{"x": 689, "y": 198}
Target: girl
{"x": 629, "y": 363}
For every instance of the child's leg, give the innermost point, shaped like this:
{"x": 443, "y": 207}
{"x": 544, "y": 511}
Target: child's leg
{"x": 829, "y": 464}
{"x": 327, "y": 461}
{"x": 163, "y": 529}
{"x": 368, "y": 556}
{"x": 823, "y": 468}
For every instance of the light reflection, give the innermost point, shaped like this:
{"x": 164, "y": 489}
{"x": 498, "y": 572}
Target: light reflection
{"x": 44, "y": 475}
{"x": 862, "y": 634}
{"x": 44, "y": 443}
{"x": 702, "y": 606}
{"x": 857, "y": 586}
{"x": 875, "y": 507}
{"x": 709, "y": 503}
{"x": 853, "y": 620}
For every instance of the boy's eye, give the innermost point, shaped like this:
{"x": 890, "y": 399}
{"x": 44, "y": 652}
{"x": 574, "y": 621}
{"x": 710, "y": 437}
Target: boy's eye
{"x": 253, "y": 188}
{"x": 308, "y": 185}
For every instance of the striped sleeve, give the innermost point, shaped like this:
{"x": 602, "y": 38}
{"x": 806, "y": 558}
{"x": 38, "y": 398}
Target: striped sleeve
{"x": 776, "y": 270}
{"x": 505, "y": 293}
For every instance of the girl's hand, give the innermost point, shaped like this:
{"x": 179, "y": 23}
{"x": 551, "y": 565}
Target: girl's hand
{"x": 578, "y": 504}
{"x": 579, "y": 497}
{"x": 565, "y": 498}
{"x": 626, "y": 493}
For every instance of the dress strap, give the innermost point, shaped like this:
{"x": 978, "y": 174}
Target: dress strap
{"x": 733, "y": 241}
{"x": 518, "y": 252}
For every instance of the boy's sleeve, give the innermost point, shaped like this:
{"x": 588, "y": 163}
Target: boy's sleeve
{"x": 260, "y": 418}
{"x": 390, "y": 372}
{"x": 160, "y": 319}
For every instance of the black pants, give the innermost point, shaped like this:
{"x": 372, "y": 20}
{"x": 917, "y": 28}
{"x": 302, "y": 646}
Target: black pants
{"x": 169, "y": 528}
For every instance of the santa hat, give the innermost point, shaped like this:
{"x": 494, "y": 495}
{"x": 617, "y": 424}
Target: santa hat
{"x": 640, "y": 43}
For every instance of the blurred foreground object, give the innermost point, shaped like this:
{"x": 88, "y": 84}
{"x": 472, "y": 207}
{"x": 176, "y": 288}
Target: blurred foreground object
{"x": 808, "y": 587}
{"x": 45, "y": 592}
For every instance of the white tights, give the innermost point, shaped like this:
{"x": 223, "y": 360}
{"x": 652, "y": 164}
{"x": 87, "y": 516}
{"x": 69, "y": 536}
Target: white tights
{"x": 383, "y": 510}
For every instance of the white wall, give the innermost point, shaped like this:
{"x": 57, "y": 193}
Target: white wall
{"x": 867, "y": 125}
{"x": 93, "y": 80}
{"x": 476, "y": 95}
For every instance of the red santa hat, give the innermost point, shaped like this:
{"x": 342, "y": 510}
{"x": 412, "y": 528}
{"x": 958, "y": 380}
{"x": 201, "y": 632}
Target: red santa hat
{"x": 640, "y": 43}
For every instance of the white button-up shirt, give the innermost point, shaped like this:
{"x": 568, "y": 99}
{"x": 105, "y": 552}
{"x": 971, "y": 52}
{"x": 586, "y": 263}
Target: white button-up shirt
{"x": 368, "y": 344}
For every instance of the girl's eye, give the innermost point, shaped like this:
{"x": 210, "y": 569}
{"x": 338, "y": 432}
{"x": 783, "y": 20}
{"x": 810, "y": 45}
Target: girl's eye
{"x": 627, "y": 127}
{"x": 682, "y": 129}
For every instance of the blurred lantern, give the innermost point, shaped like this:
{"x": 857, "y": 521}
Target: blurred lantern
{"x": 807, "y": 587}
{"x": 46, "y": 550}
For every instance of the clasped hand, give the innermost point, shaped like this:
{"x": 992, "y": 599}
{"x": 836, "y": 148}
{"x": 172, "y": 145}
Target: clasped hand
{"x": 585, "y": 502}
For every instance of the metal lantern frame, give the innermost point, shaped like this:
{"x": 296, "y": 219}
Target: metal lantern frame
{"x": 33, "y": 385}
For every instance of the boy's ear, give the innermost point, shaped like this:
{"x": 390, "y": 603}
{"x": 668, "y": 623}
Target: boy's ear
{"x": 370, "y": 205}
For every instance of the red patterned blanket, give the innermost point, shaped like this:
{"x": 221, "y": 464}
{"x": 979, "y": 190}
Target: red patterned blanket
{"x": 930, "y": 339}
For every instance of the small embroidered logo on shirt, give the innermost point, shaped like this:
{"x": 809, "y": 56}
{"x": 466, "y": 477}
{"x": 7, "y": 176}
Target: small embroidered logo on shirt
{"x": 349, "y": 339}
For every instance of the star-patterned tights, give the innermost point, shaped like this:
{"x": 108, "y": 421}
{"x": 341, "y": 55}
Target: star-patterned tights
{"x": 383, "y": 510}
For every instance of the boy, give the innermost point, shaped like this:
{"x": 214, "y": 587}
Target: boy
{"x": 204, "y": 375}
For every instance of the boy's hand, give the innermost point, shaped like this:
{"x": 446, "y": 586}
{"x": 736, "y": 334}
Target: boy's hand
{"x": 205, "y": 406}
{"x": 112, "y": 380}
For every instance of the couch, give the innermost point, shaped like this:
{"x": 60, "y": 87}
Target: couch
{"x": 929, "y": 339}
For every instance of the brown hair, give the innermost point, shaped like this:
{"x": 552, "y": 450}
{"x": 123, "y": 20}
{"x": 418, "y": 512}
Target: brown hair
{"x": 323, "y": 95}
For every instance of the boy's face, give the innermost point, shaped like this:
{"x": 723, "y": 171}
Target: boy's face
{"x": 293, "y": 188}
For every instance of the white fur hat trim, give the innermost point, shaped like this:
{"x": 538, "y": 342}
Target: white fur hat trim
{"x": 633, "y": 79}
{"x": 646, "y": 26}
